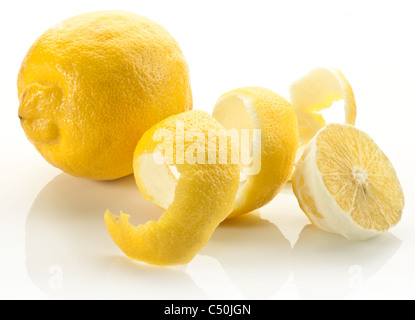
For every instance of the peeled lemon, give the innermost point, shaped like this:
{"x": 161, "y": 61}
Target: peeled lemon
{"x": 346, "y": 185}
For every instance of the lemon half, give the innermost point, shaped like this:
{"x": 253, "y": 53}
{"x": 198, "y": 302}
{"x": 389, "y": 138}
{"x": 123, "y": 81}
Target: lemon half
{"x": 345, "y": 184}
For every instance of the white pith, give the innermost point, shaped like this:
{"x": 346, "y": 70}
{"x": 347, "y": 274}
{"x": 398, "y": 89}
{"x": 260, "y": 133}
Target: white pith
{"x": 157, "y": 178}
{"x": 236, "y": 112}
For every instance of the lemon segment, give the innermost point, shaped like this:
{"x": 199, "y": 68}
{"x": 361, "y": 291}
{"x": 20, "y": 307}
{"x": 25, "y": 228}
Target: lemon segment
{"x": 315, "y": 92}
{"x": 196, "y": 202}
{"x": 345, "y": 184}
{"x": 93, "y": 84}
{"x": 255, "y": 108}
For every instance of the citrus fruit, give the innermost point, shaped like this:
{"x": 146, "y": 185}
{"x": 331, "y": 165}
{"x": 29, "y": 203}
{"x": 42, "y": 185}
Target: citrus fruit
{"x": 316, "y": 92}
{"x": 272, "y": 151}
{"x": 345, "y": 184}
{"x": 198, "y": 196}
{"x": 92, "y": 85}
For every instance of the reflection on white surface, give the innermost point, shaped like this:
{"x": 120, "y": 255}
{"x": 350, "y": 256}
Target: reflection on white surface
{"x": 254, "y": 254}
{"x": 328, "y": 266}
{"x": 69, "y": 253}
{"x": 208, "y": 274}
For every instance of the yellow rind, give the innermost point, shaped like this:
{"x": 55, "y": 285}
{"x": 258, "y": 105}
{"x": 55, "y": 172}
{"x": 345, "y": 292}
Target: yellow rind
{"x": 93, "y": 84}
{"x": 315, "y": 92}
{"x": 276, "y": 119}
{"x": 204, "y": 197}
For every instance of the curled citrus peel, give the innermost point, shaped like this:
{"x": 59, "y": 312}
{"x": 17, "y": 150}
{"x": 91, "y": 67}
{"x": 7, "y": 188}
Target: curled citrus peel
{"x": 272, "y": 152}
{"x": 197, "y": 201}
{"x": 315, "y": 92}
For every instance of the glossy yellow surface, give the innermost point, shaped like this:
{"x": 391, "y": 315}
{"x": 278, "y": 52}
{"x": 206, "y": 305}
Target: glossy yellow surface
{"x": 203, "y": 197}
{"x": 92, "y": 85}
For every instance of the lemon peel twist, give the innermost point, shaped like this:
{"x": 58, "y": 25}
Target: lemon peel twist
{"x": 257, "y": 108}
{"x": 315, "y": 92}
{"x": 202, "y": 196}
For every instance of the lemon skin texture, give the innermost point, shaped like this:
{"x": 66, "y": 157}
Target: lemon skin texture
{"x": 93, "y": 84}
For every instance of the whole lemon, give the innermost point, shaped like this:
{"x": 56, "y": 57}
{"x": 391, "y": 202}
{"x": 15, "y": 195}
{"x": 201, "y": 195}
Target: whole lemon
{"x": 93, "y": 84}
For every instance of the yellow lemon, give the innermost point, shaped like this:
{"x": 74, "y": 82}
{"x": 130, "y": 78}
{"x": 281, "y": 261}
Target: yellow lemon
{"x": 92, "y": 85}
{"x": 316, "y": 92}
{"x": 198, "y": 195}
{"x": 271, "y": 124}
{"x": 346, "y": 185}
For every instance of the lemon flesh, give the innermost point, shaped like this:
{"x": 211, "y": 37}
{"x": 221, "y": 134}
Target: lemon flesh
{"x": 197, "y": 201}
{"x": 346, "y": 185}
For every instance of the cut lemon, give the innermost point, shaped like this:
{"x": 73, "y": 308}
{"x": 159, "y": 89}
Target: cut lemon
{"x": 272, "y": 152}
{"x": 198, "y": 195}
{"x": 346, "y": 185}
{"x": 315, "y": 92}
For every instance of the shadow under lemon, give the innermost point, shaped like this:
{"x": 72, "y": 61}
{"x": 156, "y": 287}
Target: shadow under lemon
{"x": 254, "y": 254}
{"x": 328, "y": 266}
{"x": 69, "y": 253}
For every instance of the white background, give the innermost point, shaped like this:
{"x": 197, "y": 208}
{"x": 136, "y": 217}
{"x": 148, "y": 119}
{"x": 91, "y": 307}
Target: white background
{"x": 53, "y": 241}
